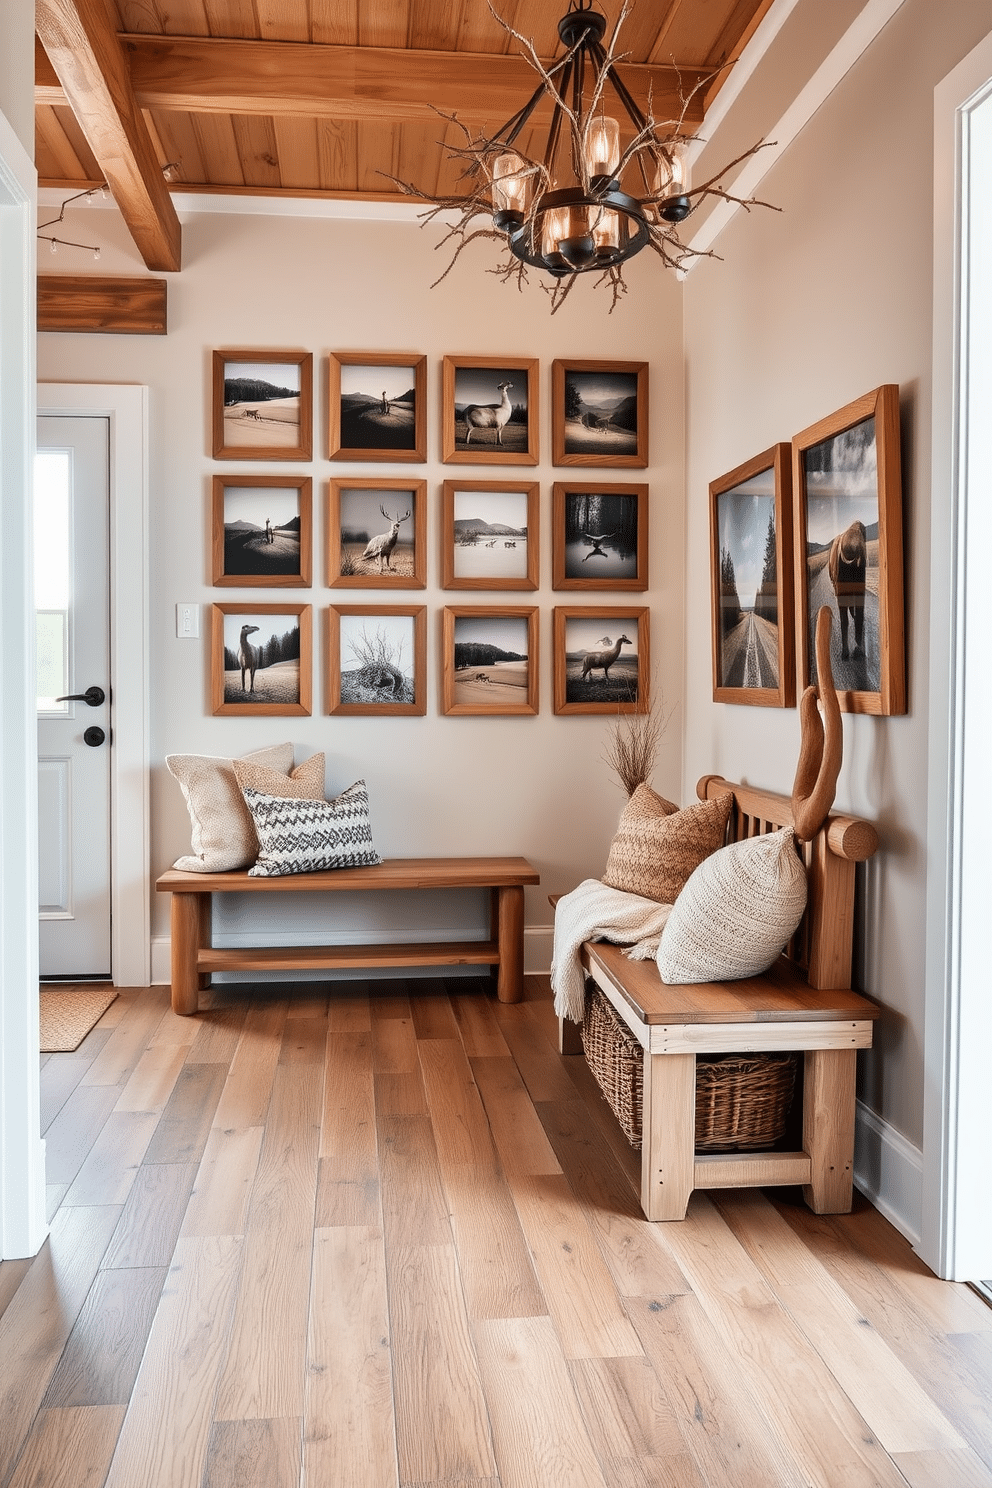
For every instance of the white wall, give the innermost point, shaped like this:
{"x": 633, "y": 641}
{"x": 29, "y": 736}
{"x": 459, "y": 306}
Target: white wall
{"x": 438, "y": 785}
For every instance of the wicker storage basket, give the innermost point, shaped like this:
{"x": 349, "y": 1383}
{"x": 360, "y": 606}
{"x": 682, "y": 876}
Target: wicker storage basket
{"x": 742, "y": 1100}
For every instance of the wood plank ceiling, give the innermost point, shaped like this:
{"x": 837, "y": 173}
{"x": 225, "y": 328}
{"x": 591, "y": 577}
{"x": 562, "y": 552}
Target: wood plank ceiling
{"x": 317, "y": 97}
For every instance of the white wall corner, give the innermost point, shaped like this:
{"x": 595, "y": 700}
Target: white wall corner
{"x": 888, "y": 1170}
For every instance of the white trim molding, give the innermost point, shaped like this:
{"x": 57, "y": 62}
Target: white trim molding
{"x": 888, "y": 1170}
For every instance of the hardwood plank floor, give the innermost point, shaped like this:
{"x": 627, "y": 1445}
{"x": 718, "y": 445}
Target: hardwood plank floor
{"x": 382, "y": 1235}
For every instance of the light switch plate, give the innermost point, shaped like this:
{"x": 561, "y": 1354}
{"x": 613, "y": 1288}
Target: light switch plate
{"x": 187, "y": 621}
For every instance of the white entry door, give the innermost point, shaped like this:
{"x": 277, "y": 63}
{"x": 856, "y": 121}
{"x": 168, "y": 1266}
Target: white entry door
{"x": 72, "y": 598}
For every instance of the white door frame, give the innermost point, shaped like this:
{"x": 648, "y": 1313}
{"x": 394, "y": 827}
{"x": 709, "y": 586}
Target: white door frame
{"x": 126, "y": 408}
{"x": 957, "y": 1214}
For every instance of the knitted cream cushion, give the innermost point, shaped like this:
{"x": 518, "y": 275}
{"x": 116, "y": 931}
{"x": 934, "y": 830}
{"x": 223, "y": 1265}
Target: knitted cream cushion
{"x": 306, "y": 783}
{"x": 222, "y": 832}
{"x": 736, "y": 913}
{"x": 657, "y": 846}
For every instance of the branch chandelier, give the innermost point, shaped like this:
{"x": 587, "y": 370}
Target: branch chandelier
{"x": 595, "y": 222}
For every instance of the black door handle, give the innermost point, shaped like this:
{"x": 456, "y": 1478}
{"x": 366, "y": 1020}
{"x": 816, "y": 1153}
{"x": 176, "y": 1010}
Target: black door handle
{"x": 94, "y": 736}
{"x": 94, "y": 696}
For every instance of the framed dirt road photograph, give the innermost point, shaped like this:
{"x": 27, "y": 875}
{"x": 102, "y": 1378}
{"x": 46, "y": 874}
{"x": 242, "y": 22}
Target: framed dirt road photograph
{"x": 489, "y": 660}
{"x": 262, "y": 405}
{"x": 752, "y": 582}
{"x": 377, "y": 406}
{"x": 847, "y": 493}
{"x": 601, "y": 659}
{"x": 489, "y": 410}
{"x": 262, "y": 531}
{"x": 261, "y": 659}
{"x": 599, "y": 413}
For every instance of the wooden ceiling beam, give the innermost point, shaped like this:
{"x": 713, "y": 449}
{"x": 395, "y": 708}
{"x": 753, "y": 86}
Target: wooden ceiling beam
{"x": 93, "y": 70}
{"x": 212, "y": 75}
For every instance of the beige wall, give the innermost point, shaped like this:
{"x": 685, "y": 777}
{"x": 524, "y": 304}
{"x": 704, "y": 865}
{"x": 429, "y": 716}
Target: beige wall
{"x": 438, "y": 785}
{"x": 17, "y": 69}
{"x": 810, "y": 309}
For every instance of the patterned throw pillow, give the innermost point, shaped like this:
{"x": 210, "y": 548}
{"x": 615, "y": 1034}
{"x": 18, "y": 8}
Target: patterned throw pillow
{"x": 221, "y": 829}
{"x": 657, "y": 846}
{"x": 298, "y": 836}
{"x": 736, "y": 913}
{"x": 305, "y": 784}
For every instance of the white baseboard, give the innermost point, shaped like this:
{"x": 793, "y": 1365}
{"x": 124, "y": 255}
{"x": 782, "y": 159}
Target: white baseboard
{"x": 888, "y": 1170}
{"x": 161, "y": 959}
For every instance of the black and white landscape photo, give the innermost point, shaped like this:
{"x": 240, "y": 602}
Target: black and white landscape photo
{"x": 262, "y": 532}
{"x": 600, "y": 531}
{"x": 261, "y": 659}
{"x": 491, "y": 410}
{"x": 748, "y": 584}
{"x": 489, "y": 662}
{"x": 602, "y": 661}
{"x": 489, "y": 536}
{"x": 378, "y": 407}
{"x": 377, "y": 529}
{"x": 262, "y": 405}
{"x": 600, "y": 413}
{"x": 377, "y": 659}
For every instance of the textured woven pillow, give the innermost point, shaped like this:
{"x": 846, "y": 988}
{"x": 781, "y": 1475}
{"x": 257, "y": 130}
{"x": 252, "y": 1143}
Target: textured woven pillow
{"x": 306, "y": 783}
{"x": 221, "y": 829}
{"x": 308, "y": 836}
{"x": 736, "y": 913}
{"x": 657, "y": 846}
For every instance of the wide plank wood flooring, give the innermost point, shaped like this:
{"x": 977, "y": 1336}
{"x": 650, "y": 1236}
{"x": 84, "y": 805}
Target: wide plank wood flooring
{"x": 381, "y": 1235}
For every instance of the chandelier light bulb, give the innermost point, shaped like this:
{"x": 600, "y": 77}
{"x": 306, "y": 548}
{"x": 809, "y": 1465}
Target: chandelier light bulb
{"x": 603, "y": 147}
{"x": 606, "y": 232}
{"x": 554, "y": 230}
{"x": 55, "y": 246}
{"x": 509, "y": 191}
{"x": 96, "y": 254}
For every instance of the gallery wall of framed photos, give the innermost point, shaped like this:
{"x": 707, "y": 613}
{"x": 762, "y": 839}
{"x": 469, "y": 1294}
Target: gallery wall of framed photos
{"x": 400, "y": 531}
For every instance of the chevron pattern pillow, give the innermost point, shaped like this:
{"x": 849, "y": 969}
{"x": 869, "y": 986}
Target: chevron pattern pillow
{"x": 300, "y": 836}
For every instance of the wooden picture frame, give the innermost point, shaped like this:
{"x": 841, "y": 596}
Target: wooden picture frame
{"x": 359, "y": 555}
{"x": 282, "y": 683}
{"x": 505, "y": 431}
{"x": 490, "y": 534}
{"x": 262, "y": 531}
{"x": 752, "y": 582}
{"x": 274, "y": 424}
{"x": 603, "y": 524}
{"x": 599, "y": 413}
{"x": 600, "y": 631}
{"x": 377, "y": 406}
{"x": 377, "y": 659}
{"x": 847, "y": 484}
{"x": 490, "y": 683}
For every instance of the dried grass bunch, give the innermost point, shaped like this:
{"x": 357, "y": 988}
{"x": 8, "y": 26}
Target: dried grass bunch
{"x": 635, "y": 738}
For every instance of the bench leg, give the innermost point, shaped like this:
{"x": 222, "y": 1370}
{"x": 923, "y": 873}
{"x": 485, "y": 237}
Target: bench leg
{"x": 186, "y": 926}
{"x": 205, "y": 934}
{"x": 569, "y": 1037}
{"x": 669, "y": 1134}
{"x": 510, "y": 984}
{"x": 828, "y": 1129}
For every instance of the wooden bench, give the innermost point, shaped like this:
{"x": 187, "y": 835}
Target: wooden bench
{"x": 194, "y": 958}
{"x": 804, "y": 1003}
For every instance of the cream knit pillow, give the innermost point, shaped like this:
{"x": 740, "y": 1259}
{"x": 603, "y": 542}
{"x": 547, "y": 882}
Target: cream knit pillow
{"x": 736, "y": 913}
{"x": 657, "y": 846}
{"x": 306, "y": 783}
{"x": 221, "y": 829}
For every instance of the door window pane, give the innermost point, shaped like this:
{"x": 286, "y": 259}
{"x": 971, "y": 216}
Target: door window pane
{"x": 52, "y": 475}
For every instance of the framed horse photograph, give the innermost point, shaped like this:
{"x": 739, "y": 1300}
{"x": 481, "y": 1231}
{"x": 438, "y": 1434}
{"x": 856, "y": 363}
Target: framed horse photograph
{"x": 601, "y": 659}
{"x": 847, "y": 491}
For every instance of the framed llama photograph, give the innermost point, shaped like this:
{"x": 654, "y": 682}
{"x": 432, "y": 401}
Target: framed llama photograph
{"x": 377, "y": 534}
{"x": 599, "y": 536}
{"x": 847, "y": 494}
{"x": 377, "y": 659}
{"x": 601, "y": 659}
{"x": 261, "y": 659}
{"x": 489, "y": 660}
{"x": 377, "y": 406}
{"x": 262, "y": 405}
{"x": 489, "y": 535}
{"x": 489, "y": 411}
{"x": 751, "y": 562}
{"x": 599, "y": 413}
{"x": 261, "y": 531}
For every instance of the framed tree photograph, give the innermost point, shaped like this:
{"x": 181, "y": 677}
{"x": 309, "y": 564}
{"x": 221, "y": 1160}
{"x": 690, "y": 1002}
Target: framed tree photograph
{"x": 260, "y": 658}
{"x": 377, "y": 534}
{"x": 847, "y": 491}
{"x": 601, "y": 659}
{"x": 489, "y": 411}
{"x": 377, "y": 659}
{"x": 261, "y": 531}
{"x": 262, "y": 405}
{"x": 751, "y": 584}
{"x": 599, "y": 536}
{"x": 489, "y": 660}
{"x": 599, "y": 413}
{"x": 489, "y": 535}
{"x": 377, "y": 406}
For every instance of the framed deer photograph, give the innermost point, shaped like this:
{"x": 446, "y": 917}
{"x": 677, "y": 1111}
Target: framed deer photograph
{"x": 377, "y": 534}
{"x": 489, "y": 535}
{"x": 601, "y": 659}
{"x": 599, "y": 536}
{"x": 752, "y": 582}
{"x": 489, "y": 660}
{"x": 262, "y": 531}
{"x": 377, "y": 659}
{"x": 261, "y": 659}
{"x": 377, "y": 406}
{"x": 262, "y": 405}
{"x": 489, "y": 411}
{"x": 599, "y": 413}
{"x": 847, "y": 493}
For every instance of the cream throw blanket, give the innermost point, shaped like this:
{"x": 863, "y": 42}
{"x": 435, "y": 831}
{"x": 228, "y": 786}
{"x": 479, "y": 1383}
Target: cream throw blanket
{"x": 594, "y": 911}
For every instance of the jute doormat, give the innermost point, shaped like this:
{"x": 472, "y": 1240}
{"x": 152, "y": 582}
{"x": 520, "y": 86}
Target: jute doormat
{"x": 68, "y": 1014}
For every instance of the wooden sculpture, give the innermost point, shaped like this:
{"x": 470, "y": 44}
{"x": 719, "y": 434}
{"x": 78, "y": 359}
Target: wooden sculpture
{"x": 821, "y": 748}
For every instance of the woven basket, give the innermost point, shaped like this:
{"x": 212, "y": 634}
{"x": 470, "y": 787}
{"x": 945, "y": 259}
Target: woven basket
{"x": 742, "y": 1100}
